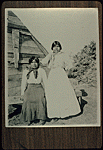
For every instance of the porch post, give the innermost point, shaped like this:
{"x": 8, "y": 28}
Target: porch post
{"x": 15, "y": 40}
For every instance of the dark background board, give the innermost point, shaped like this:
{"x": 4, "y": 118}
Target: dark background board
{"x": 51, "y": 137}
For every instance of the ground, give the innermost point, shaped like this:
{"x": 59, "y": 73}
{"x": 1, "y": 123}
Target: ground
{"x": 88, "y": 116}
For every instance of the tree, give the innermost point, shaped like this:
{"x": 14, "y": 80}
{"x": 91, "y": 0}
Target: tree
{"x": 84, "y": 63}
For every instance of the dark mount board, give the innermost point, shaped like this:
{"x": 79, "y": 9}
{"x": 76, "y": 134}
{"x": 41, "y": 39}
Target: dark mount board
{"x": 49, "y": 138}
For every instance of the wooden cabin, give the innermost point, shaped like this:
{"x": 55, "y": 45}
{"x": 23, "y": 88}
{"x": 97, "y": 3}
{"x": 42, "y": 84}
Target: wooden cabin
{"x": 21, "y": 45}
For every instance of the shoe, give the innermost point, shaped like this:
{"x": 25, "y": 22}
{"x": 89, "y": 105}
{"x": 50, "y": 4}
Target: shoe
{"x": 29, "y": 123}
{"x": 41, "y": 122}
{"x": 54, "y": 120}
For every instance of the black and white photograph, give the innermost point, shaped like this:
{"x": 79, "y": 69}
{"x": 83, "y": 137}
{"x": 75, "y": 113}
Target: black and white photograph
{"x": 52, "y": 67}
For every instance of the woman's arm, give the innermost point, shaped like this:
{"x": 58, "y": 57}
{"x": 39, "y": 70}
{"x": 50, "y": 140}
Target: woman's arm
{"x": 67, "y": 62}
{"x": 45, "y": 61}
{"x": 24, "y": 81}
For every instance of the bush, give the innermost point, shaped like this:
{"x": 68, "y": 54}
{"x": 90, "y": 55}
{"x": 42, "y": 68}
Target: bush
{"x": 84, "y": 63}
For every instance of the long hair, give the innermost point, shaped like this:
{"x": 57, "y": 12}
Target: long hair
{"x": 36, "y": 60}
{"x": 30, "y": 69}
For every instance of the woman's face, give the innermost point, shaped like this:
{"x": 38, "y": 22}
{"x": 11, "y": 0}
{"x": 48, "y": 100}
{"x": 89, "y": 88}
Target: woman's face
{"x": 56, "y": 49}
{"x": 34, "y": 64}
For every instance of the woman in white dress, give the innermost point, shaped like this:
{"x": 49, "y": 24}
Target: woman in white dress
{"x": 60, "y": 95}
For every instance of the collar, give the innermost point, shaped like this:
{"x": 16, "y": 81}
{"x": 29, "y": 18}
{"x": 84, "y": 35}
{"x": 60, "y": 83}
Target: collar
{"x": 61, "y": 52}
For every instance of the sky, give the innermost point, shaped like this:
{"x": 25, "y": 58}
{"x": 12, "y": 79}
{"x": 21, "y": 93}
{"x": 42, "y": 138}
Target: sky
{"x": 72, "y": 27}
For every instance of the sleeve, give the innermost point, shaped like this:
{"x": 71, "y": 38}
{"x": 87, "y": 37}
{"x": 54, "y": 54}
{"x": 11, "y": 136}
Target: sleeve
{"x": 45, "y": 61}
{"x": 23, "y": 82}
{"x": 67, "y": 62}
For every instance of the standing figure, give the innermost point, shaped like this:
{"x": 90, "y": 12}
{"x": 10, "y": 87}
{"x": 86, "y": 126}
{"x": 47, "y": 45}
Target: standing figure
{"x": 33, "y": 91}
{"x": 61, "y": 99}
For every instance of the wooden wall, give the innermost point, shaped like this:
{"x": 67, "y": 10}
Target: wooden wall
{"x": 27, "y": 48}
{"x": 21, "y": 46}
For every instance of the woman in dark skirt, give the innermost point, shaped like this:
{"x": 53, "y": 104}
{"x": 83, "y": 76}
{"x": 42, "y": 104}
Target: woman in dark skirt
{"x": 33, "y": 92}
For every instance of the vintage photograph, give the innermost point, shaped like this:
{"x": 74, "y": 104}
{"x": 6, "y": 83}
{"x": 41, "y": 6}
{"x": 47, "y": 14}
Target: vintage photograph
{"x": 52, "y": 67}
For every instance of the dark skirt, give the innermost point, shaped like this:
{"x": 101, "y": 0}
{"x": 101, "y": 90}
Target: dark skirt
{"x": 34, "y": 105}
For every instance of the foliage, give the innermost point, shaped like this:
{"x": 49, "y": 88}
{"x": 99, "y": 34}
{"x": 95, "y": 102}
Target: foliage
{"x": 84, "y": 63}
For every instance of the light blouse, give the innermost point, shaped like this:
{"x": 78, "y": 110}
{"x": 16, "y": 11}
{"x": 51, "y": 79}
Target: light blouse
{"x": 61, "y": 60}
{"x": 41, "y": 78}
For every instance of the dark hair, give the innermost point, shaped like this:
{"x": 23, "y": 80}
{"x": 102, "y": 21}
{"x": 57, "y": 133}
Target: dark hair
{"x": 31, "y": 59}
{"x": 34, "y": 58}
{"x": 56, "y": 43}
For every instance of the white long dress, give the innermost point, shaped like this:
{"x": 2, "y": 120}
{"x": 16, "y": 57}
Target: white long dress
{"x": 60, "y": 95}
